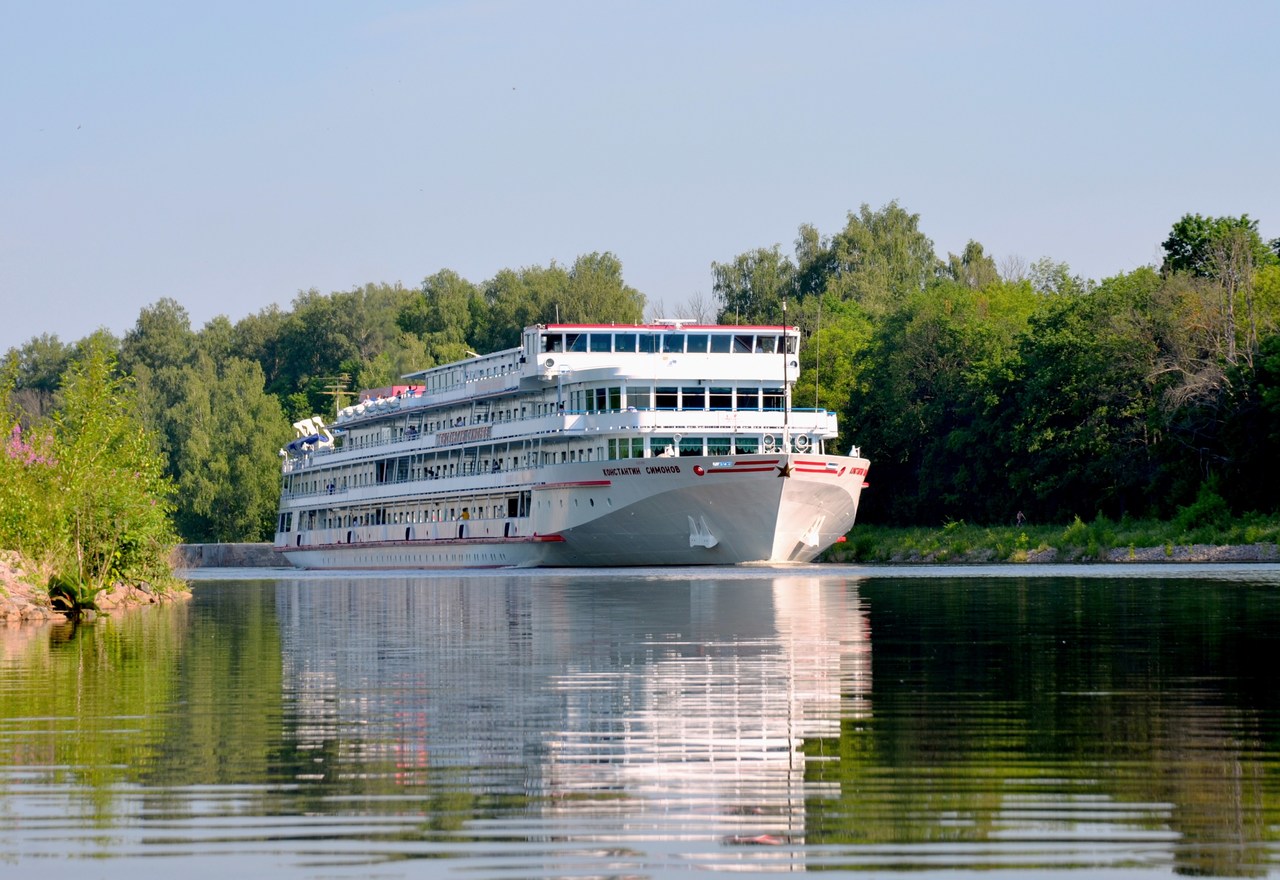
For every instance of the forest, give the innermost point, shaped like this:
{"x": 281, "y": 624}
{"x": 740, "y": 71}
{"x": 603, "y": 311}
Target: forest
{"x": 977, "y": 390}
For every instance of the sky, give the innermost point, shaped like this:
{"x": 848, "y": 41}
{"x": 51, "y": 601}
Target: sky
{"x": 229, "y": 155}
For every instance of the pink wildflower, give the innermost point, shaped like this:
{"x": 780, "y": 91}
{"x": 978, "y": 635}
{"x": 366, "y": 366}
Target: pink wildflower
{"x": 20, "y": 450}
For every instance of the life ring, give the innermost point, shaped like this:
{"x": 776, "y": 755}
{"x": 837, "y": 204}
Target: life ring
{"x": 768, "y": 442}
{"x": 802, "y": 442}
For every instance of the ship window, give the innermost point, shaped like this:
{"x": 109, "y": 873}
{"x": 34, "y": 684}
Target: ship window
{"x": 791, "y": 344}
{"x": 691, "y": 446}
{"x": 767, "y": 344}
{"x": 624, "y": 342}
{"x": 718, "y": 446}
{"x": 661, "y": 446}
{"x": 553, "y": 342}
{"x": 772, "y": 398}
{"x": 638, "y": 398}
{"x": 599, "y": 342}
{"x": 637, "y": 447}
{"x": 575, "y": 342}
{"x": 722, "y": 398}
{"x": 666, "y": 398}
{"x": 743, "y": 344}
{"x": 721, "y": 343}
{"x": 695, "y": 398}
{"x": 615, "y": 399}
{"x": 749, "y": 398}
{"x": 673, "y": 343}
{"x": 696, "y": 342}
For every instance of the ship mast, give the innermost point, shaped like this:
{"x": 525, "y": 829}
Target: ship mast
{"x": 786, "y": 388}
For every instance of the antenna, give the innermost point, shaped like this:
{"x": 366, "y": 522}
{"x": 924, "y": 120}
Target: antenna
{"x": 337, "y": 389}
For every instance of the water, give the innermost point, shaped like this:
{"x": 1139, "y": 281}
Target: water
{"x": 1098, "y": 721}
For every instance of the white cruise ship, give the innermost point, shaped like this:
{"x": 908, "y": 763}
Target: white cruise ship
{"x": 589, "y": 445}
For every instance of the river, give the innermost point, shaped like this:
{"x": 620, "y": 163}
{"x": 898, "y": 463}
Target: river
{"x": 1094, "y": 721}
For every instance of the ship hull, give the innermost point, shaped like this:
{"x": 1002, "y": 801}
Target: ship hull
{"x": 645, "y": 512}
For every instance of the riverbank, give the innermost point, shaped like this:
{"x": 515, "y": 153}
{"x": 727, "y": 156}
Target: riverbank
{"x": 1251, "y": 540}
{"x": 23, "y": 599}
{"x": 227, "y": 556}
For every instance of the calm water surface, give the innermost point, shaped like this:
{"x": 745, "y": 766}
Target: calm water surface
{"x": 1101, "y": 721}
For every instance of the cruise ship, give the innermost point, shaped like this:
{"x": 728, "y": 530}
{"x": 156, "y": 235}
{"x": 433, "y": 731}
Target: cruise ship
{"x": 670, "y": 443}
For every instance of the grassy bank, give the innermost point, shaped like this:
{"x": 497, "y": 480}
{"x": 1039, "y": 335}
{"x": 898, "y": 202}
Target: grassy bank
{"x": 1100, "y": 540}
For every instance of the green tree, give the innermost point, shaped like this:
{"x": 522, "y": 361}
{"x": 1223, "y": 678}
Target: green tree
{"x": 751, "y": 288}
{"x": 973, "y": 268}
{"x": 228, "y": 431}
{"x": 161, "y": 337}
{"x": 115, "y": 509}
{"x": 927, "y": 411}
{"x": 37, "y": 372}
{"x": 1194, "y": 240}
{"x": 1083, "y": 429}
{"x": 880, "y": 258}
{"x": 448, "y": 313}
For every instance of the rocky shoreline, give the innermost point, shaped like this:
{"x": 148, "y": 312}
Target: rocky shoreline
{"x": 22, "y": 601}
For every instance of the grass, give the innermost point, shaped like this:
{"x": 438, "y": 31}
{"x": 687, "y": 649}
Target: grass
{"x": 1074, "y": 541}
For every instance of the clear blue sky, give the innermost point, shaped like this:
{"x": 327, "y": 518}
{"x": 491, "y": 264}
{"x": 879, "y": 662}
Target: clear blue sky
{"x": 230, "y": 154}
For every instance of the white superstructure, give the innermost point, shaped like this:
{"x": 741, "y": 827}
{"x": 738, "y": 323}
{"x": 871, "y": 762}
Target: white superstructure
{"x": 590, "y": 444}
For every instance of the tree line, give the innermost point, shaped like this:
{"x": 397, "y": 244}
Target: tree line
{"x": 977, "y": 390}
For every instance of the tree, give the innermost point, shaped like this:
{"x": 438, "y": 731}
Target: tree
{"x": 1082, "y": 426}
{"x": 161, "y": 337}
{"x": 928, "y": 407}
{"x": 973, "y": 268}
{"x": 751, "y": 288}
{"x": 228, "y": 431}
{"x": 37, "y": 372}
{"x": 1191, "y": 244}
{"x": 115, "y": 498}
{"x": 880, "y": 258}
{"x": 1052, "y": 278}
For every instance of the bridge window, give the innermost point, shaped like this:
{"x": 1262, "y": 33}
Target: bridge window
{"x": 696, "y": 342}
{"x": 673, "y": 343}
{"x": 743, "y": 344}
{"x": 599, "y": 342}
{"x": 624, "y": 342}
{"x": 721, "y": 343}
{"x": 638, "y": 397}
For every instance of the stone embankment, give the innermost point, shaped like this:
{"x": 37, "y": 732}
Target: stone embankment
{"x": 1044, "y": 555}
{"x": 227, "y": 556}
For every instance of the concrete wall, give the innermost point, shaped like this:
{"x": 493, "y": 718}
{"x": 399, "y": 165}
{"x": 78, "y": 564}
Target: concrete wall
{"x": 228, "y": 556}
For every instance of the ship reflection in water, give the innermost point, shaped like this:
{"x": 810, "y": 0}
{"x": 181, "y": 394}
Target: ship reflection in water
{"x": 607, "y": 723}
{"x": 637, "y": 709}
